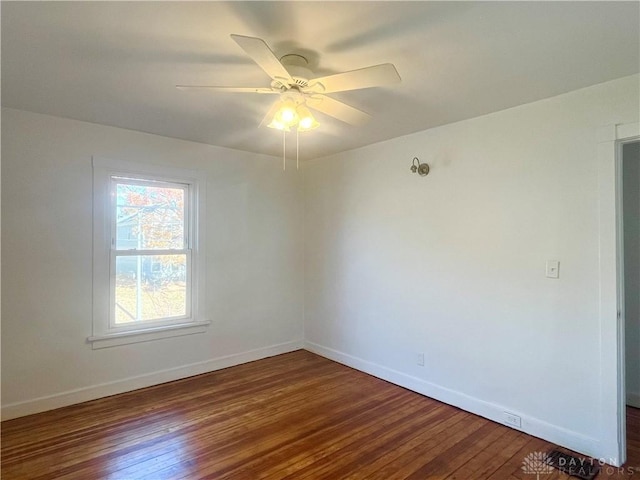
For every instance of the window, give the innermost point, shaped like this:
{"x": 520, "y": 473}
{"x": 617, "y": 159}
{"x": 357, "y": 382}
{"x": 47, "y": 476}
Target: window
{"x": 148, "y": 268}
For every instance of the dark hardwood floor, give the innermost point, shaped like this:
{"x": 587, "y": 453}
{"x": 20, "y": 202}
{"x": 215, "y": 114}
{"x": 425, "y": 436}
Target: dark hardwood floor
{"x": 294, "y": 416}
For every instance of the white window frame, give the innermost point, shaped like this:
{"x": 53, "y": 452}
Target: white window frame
{"x": 105, "y": 332}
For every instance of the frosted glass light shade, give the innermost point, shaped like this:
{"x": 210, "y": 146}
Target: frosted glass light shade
{"x": 307, "y": 121}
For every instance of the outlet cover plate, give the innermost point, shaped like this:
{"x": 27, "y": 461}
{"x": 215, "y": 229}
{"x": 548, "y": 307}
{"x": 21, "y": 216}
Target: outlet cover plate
{"x": 512, "y": 420}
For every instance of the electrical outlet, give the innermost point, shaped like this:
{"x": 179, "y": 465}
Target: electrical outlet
{"x": 420, "y": 359}
{"x": 512, "y": 419}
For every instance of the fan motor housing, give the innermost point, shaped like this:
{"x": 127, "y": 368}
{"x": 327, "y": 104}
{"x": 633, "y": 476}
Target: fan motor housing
{"x": 297, "y": 66}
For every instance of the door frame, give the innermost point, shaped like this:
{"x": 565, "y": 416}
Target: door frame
{"x": 611, "y": 305}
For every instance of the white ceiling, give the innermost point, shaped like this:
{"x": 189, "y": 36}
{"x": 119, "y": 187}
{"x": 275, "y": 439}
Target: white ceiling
{"x": 116, "y": 63}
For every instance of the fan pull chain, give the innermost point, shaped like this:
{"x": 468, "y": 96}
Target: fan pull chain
{"x": 297, "y": 149}
{"x": 284, "y": 150}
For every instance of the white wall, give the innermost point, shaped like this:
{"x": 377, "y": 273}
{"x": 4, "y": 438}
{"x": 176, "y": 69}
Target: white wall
{"x": 453, "y": 264}
{"x": 254, "y": 262}
{"x": 631, "y": 208}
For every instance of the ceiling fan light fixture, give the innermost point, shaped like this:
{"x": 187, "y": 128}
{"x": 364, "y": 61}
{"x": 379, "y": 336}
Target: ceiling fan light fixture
{"x": 292, "y": 79}
{"x": 293, "y": 114}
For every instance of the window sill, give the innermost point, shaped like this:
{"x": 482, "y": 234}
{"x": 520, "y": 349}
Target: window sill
{"x": 148, "y": 334}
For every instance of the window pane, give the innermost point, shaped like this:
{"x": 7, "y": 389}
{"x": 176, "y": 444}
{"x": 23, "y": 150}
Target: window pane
{"x": 150, "y": 287}
{"x": 149, "y": 217}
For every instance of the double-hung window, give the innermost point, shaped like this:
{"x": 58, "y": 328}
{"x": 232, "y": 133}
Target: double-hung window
{"x": 147, "y": 253}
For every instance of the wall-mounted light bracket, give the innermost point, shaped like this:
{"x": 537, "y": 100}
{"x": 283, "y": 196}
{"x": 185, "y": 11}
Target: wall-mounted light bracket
{"x": 421, "y": 169}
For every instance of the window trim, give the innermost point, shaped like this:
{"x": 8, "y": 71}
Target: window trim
{"x": 103, "y": 332}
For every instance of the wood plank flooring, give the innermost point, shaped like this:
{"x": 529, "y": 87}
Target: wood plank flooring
{"x": 294, "y": 416}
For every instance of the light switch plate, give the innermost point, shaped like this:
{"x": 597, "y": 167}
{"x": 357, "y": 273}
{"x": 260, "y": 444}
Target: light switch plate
{"x": 553, "y": 269}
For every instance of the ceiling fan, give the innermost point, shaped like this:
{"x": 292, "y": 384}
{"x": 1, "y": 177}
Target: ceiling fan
{"x": 298, "y": 88}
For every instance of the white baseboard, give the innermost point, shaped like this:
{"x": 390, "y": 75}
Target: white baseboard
{"x": 633, "y": 399}
{"x": 533, "y": 426}
{"x": 49, "y": 402}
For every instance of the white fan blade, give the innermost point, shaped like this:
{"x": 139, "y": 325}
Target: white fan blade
{"x": 337, "y": 109}
{"x": 376, "y": 76}
{"x": 263, "y": 56}
{"x": 227, "y": 89}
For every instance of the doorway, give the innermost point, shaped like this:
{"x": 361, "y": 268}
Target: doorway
{"x": 631, "y": 265}
{"x": 630, "y": 279}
